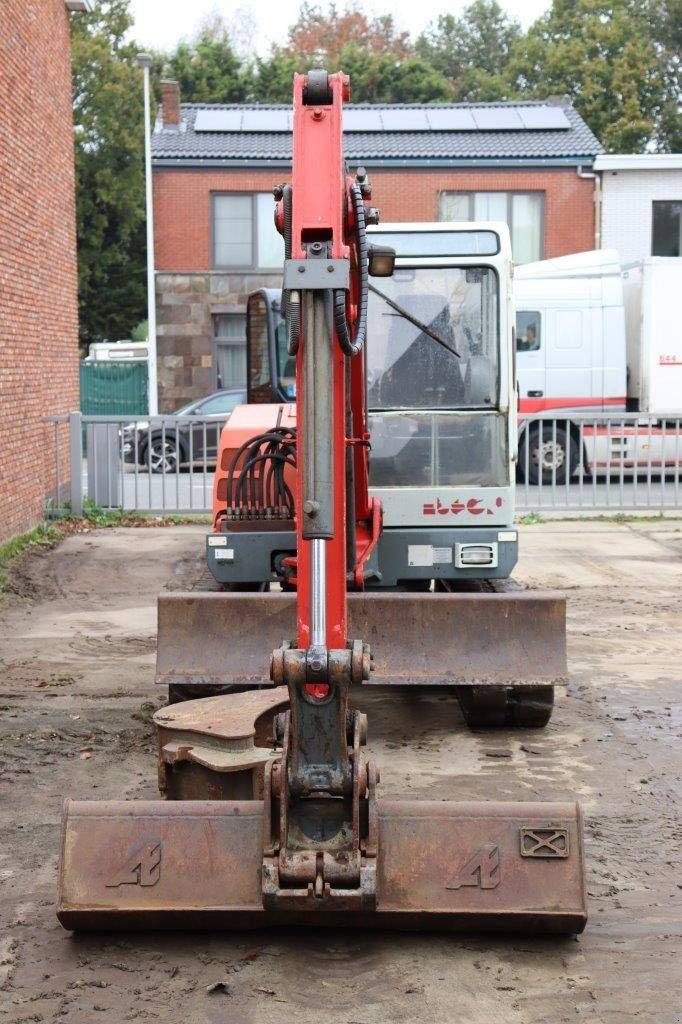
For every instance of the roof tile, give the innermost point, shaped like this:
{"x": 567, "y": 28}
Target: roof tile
{"x": 184, "y": 143}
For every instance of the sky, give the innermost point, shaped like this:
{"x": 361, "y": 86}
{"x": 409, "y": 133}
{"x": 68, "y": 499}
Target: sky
{"x": 159, "y": 24}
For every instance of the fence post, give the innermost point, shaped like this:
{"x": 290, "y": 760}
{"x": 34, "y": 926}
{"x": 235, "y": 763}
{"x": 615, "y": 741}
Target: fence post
{"x": 76, "y": 463}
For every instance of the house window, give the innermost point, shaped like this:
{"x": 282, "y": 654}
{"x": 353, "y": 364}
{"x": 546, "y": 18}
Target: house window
{"x": 229, "y": 349}
{"x": 244, "y": 233}
{"x": 666, "y": 232}
{"x": 522, "y": 211}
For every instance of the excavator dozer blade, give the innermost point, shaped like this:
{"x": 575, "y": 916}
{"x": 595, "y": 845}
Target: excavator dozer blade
{"x": 197, "y": 864}
{"x": 443, "y": 639}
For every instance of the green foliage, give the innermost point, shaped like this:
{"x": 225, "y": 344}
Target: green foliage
{"x": 271, "y": 77}
{"x": 140, "y": 332}
{"x": 472, "y": 51}
{"x": 601, "y": 54}
{"x": 101, "y": 517}
{"x": 43, "y": 536}
{"x": 530, "y": 519}
{"x": 666, "y": 30}
{"x": 208, "y": 69}
{"x": 109, "y": 146}
{"x": 380, "y": 60}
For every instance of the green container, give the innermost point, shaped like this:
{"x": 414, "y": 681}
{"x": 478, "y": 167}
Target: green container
{"x": 114, "y": 389}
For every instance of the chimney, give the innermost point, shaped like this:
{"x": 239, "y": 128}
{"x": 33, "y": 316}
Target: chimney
{"x": 170, "y": 104}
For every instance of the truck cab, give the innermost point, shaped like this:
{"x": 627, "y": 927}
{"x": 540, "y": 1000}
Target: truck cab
{"x": 439, "y": 368}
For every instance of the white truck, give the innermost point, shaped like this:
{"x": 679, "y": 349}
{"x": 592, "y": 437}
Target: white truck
{"x": 594, "y": 337}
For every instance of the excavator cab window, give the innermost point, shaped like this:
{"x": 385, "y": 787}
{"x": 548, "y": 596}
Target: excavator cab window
{"x": 286, "y": 364}
{"x": 433, "y": 372}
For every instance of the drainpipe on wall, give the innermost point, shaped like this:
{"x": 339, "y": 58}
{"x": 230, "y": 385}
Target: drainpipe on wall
{"x": 596, "y": 177}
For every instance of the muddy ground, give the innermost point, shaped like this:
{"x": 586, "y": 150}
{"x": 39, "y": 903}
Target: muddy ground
{"x": 76, "y": 656}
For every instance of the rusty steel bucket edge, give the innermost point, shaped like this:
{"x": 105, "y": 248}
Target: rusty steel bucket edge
{"x": 474, "y": 867}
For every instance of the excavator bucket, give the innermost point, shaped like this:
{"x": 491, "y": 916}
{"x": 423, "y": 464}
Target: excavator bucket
{"x": 444, "y": 639}
{"x": 187, "y": 862}
{"x": 197, "y": 864}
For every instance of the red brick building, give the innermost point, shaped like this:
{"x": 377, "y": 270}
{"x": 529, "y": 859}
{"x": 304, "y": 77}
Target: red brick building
{"x": 38, "y": 297}
{"x": 214, "y": 167}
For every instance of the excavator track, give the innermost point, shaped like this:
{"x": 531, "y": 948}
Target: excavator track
{"x": 485, "y": 707}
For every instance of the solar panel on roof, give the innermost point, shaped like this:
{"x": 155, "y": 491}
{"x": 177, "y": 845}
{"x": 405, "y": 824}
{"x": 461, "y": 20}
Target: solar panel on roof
{"x": 361, "y": 121}
{"x": 266, "y": 121}
{"x": 404, "y": 121}
{"x": 383, "y": 119}
{"x": 497, "y": 118}
{"x": 544, "y": 117}
{"x": 451, "y": 120}
{"x": 218, "y": 121}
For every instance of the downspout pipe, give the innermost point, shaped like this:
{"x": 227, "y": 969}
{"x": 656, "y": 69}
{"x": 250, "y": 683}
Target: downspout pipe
{"x": 596, "y": 177}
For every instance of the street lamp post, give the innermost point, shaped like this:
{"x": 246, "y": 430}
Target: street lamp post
{"x": 145, "y": 62}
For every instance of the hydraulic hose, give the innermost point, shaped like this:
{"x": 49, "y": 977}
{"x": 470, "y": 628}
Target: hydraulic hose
{"x": 291, "y": 301}
{"x": 351, "y": 346}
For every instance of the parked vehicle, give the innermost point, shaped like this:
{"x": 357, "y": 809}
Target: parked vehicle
{"x": 117, "y": 351}
{"x": 592, "y": 336}
{"x": 164, "y": 445}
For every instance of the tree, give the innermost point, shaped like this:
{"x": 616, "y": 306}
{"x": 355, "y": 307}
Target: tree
{"x": 379, "y": 59}
{"x": 602, "y": 55}
{"x": 322, "y": 35}
{"x": 666, "y": 23}
{"x": 271, "y": 76}
{"x": 472, "y": 50}
{"x": 380, "y": 78}
{"x": 109, "y": 146}
{"x": 208, "y": 68}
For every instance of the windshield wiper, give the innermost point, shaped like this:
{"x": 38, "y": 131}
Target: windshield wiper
{"x": 416, "y": 323}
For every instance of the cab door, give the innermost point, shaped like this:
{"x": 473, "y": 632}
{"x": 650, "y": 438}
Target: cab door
{"x": 570, "y": 357}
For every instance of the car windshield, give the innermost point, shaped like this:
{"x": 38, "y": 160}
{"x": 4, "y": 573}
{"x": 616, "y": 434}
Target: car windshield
{"x": 220, "y": 403}
{"x": 185, "y": 409}
{"x": 418, "y": 319}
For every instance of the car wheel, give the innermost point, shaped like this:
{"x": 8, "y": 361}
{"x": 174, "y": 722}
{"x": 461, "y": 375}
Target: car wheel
{"x": 163, "y": 455}
{"x": 551, "y": 455}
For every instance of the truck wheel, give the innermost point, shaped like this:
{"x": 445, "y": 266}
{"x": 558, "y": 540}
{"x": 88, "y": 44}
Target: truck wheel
{"x": 551, "y": 453}
{"x": 497, "y": 706}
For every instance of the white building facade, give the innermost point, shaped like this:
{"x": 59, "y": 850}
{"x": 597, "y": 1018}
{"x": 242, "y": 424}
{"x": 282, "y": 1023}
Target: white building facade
{"x": 641, "y": 204}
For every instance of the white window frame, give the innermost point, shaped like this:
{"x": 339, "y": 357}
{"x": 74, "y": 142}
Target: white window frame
{"x": 253, "y": 265}
{"x": 470, "y": 195}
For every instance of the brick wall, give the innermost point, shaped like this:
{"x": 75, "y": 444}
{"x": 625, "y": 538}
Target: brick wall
{"x": 38, "y": 299}
{"x": 182, "y": 207}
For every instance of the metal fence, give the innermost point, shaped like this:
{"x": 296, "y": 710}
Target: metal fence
{"x": 160, "y": 464}
{"x": 600, "y": 462}
{"x": 165, "y": 464}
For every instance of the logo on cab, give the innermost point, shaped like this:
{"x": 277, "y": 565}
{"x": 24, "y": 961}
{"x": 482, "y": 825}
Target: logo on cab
{"x": 473, "y": 506}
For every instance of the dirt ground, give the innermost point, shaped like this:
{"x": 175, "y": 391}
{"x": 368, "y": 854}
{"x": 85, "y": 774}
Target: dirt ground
{"x": 77, "y": 655}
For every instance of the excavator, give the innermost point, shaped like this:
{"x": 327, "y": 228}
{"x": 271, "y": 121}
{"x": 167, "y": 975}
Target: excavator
{"x": 271, "y": 811}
